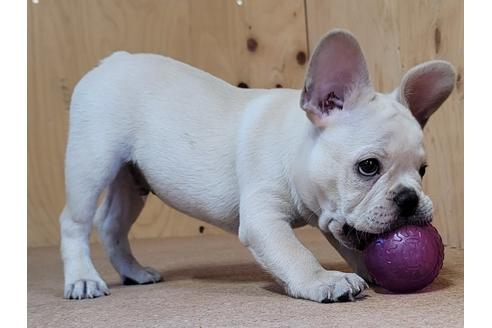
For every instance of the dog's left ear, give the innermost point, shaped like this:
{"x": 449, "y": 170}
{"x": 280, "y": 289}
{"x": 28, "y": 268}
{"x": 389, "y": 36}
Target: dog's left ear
{"x": 337, "y": 77}
{"x": 425, "y": 87}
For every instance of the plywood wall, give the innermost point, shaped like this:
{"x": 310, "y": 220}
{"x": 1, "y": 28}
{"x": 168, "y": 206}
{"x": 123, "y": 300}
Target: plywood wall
{"x": 258, "y": 44}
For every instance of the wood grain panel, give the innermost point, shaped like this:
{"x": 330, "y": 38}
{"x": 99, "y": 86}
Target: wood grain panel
{"x": 395, "y": 36}
{"x": 261, "y": 44}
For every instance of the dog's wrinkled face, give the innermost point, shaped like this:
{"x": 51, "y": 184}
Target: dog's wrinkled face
{"x": 363, "y": 169}
{"x": 366, "y": 171}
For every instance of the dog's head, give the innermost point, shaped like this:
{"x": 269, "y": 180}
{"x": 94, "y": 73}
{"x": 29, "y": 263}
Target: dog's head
{"x": 363, "y": 167}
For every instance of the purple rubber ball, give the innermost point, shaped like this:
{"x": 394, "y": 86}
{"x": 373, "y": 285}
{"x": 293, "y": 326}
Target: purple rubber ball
{"x": 407, "y": 259}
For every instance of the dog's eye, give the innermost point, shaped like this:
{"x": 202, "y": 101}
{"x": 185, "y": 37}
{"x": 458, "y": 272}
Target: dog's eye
{"x": 422, "y": 170}
{"x": 369, "y": 167}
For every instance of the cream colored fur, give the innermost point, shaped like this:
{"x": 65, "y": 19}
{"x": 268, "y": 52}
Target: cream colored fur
{"x": 246, "y": 160}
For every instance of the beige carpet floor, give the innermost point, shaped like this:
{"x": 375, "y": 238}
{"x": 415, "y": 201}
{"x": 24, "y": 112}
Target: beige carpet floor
{"x": 212, "y": 281}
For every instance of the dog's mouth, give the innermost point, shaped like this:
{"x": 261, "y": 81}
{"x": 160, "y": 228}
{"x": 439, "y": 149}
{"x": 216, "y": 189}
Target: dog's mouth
{"x": 356, "y": 238}
{"x": 360, "y": 239}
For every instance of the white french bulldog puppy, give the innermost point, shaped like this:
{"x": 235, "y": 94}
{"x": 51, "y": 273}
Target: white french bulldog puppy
{"x": 249, "y": 161}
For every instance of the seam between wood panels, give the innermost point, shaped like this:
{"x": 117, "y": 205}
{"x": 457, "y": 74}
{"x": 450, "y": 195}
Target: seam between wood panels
{"x": 308, "y": 50}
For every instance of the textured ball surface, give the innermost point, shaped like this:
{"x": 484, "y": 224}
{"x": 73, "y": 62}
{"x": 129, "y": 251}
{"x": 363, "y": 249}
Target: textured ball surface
{"x": 407, "y": 259}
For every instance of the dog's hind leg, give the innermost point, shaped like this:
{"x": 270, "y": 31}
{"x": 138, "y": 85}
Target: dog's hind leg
{"x": 123, "y": 202}
{"x": 88, "y": 170}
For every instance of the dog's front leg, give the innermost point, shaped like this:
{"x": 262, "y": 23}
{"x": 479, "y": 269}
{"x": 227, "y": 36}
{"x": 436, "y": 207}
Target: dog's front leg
{"x": 265, "y": 230}
{"x": 354, "y": 258}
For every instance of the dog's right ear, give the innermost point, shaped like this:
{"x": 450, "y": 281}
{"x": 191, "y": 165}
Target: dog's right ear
{"x": 337, "y": 77}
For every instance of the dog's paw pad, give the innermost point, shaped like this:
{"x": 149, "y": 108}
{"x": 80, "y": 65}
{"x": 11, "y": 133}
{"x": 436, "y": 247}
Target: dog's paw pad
{"x": 347, "y": 297}
{"x": 129, "y": 281}
{"x": 327, "y": 300}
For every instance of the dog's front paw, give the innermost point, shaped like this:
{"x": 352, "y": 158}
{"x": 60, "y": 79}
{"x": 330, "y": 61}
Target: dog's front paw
{"x": 329, "y": 286}
{"x": 85, "y": 288}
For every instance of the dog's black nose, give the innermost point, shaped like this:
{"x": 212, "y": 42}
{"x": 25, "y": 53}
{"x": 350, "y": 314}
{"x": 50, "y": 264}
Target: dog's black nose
{"x": 407, "y": 201}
